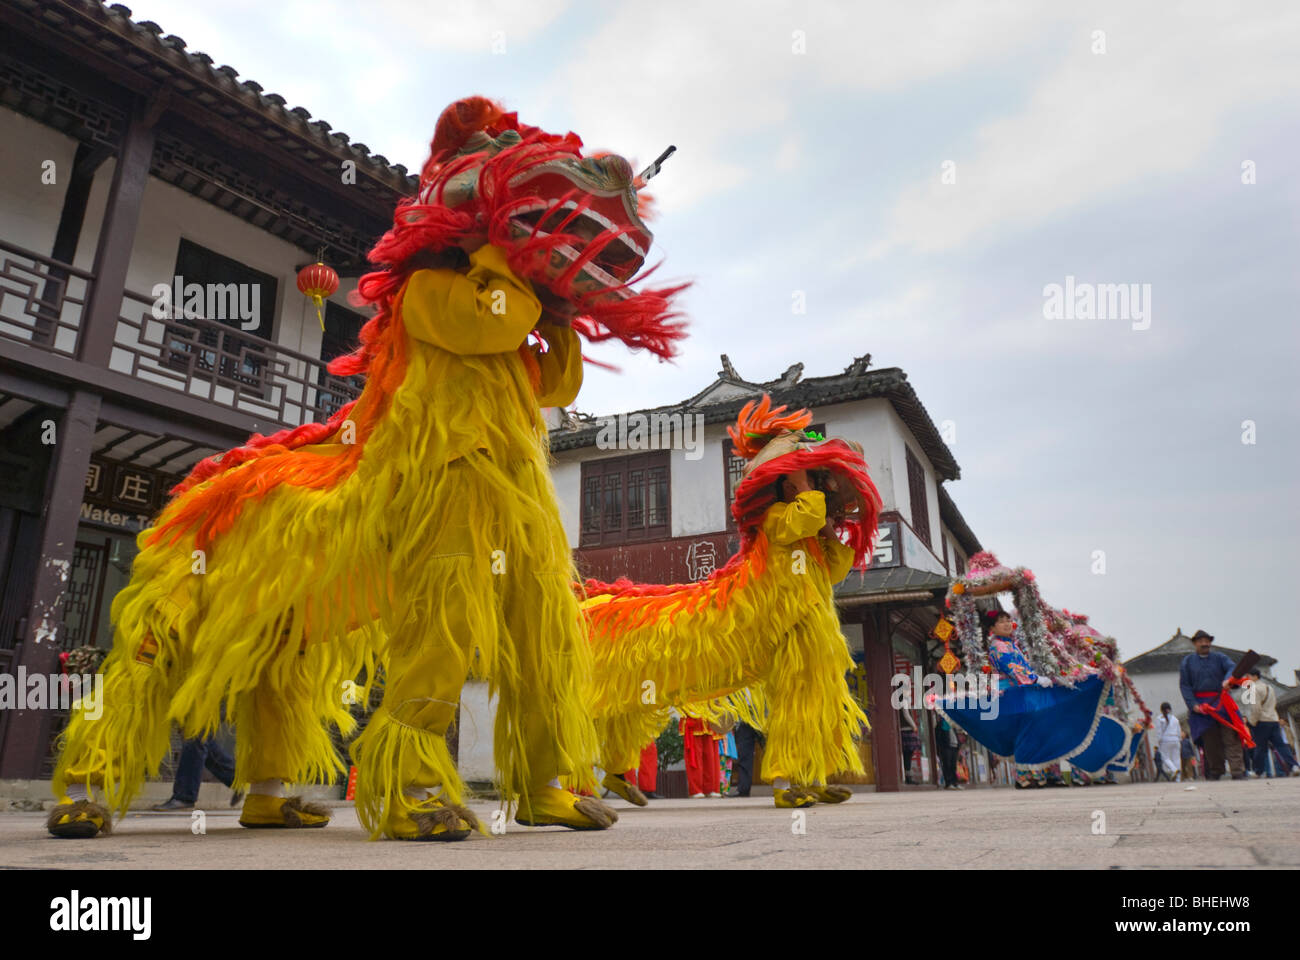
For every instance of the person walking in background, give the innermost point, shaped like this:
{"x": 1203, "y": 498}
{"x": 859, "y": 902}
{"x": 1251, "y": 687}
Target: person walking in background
{"x": 964, "y": 766}
{"x": 746, "y": 738}
{"x": 1168, "y": 744}
{"x": 727, "y": 758}
{"x": 1282, "y": 749}
{"x": 945, "y": 738}
{"x": 911, "y": 747}
{"x": 1215, "y": 722}
{"x": 702, "y": 764}
{"x": 646, "y": 776}
{"x": 1188, "y": 753}
{"x": 1261, "y": 715}
{"x": 195, "y": 755}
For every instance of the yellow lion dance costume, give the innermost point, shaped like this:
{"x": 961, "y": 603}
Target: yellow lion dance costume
{"x": 760, "y": 630}
{"x": 416, "y": 529}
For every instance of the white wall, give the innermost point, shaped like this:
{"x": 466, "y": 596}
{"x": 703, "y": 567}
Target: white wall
{"x": 873, "y": 424}
{"x": 1157, "y": 688}
{"x": 699, "y": 487}
{"x": 29, "y": 209}
{"x": 953, "y": 548}
{"x": 566, "y": 473}
{"x": 853, "y": 634}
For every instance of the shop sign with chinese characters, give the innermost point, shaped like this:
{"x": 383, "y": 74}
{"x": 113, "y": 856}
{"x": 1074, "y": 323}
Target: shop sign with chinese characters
{"x": 122, "y": 496}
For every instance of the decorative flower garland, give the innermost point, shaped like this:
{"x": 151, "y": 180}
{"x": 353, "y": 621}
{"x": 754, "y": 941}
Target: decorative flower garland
{"x": 1043, "y": 654}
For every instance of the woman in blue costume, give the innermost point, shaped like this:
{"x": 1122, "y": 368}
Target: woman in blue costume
{"x": 1032, "y": 720}
{"x": 1013, "y": 668}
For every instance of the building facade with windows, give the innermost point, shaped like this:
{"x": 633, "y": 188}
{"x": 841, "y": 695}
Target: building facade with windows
{"x": 654, "y": 506}
{"x": 154, "y": 212}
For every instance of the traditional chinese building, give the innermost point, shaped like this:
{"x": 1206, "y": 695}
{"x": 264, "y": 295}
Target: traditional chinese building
{"x": 154, "y": 212}
{"x": 645, "y": 494}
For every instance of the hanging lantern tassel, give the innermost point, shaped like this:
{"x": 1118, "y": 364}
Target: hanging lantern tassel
{"x": 943, "y": 630}
{"x": 318, "y": 282}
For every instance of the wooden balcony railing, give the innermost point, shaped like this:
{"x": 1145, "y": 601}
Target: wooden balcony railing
{"x": 224, "y": 365}
{"x": 42, "y": 303}
{"x": 41, "y": 300}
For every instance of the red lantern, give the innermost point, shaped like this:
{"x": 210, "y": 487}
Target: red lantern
{"x": 318, "y": 282}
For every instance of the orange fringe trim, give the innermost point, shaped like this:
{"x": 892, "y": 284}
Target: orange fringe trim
{"x": 212, "y": 508}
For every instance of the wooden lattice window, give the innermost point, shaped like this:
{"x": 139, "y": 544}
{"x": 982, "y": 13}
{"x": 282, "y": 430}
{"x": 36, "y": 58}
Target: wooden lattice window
{"x": 625, "y": 499}
{"x": 84, "y": 593}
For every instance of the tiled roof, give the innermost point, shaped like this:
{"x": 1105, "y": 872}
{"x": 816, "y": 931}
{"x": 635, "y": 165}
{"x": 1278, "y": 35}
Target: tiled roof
{"x": 856, "y": 383}
{"x": 890, "y": 580}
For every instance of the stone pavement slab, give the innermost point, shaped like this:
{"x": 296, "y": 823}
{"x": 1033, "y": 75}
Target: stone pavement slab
{"x": 1232, "y": 824}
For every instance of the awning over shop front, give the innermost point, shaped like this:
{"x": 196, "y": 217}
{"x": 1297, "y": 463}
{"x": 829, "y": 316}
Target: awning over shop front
{"x": 890, "y": 585}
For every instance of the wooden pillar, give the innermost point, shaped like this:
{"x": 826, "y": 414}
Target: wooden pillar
{"x": 27, "y": 735}
{"x": 878, "y": 657}
{"x": 66, "y": 237}
{"x": 87, "y": 161}
{"x": 117, "y": 236}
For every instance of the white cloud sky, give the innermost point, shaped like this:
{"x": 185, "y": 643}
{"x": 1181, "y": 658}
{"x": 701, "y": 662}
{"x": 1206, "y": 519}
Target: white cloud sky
{"x": 1149, "y": 107}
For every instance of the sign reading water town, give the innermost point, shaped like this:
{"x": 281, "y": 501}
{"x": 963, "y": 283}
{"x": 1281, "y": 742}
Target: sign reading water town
{"x": 122, "y": 496}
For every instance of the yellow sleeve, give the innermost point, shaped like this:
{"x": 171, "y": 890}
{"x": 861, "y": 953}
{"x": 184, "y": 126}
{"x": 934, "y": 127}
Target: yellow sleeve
{"x": 486, "y": 310}
{"x": 839, "y": 558}
{"x": 801, "y": 518}
{"x": 561, "y": 366}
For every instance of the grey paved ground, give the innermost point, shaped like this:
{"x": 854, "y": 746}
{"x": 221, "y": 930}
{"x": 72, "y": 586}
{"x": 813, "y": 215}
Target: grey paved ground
{"x": 1250, "y": 823}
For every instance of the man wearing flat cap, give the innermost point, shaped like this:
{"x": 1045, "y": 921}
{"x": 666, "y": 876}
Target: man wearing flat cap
{"x": 1216, "y": 724}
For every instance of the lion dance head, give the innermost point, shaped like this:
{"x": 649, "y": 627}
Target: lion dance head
{"x": 571, "y": 225}
{"x": 777, "y": 443}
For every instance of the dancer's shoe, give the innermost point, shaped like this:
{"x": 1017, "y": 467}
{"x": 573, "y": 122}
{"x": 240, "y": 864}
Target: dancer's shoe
{"x": 433, "y": 820}
{"x": 79, "y": 820}
{"x": 793, "y": 798}
{"x": 628, "y": 791}
{"x": 284, "y": 813}
{"x": 550, "y": 806}
{"x": 829, "y": 793}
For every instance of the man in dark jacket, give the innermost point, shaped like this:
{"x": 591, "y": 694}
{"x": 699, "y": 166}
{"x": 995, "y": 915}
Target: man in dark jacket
{"x": 746, "y": 737}
{"x": 1213, "y": 717}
